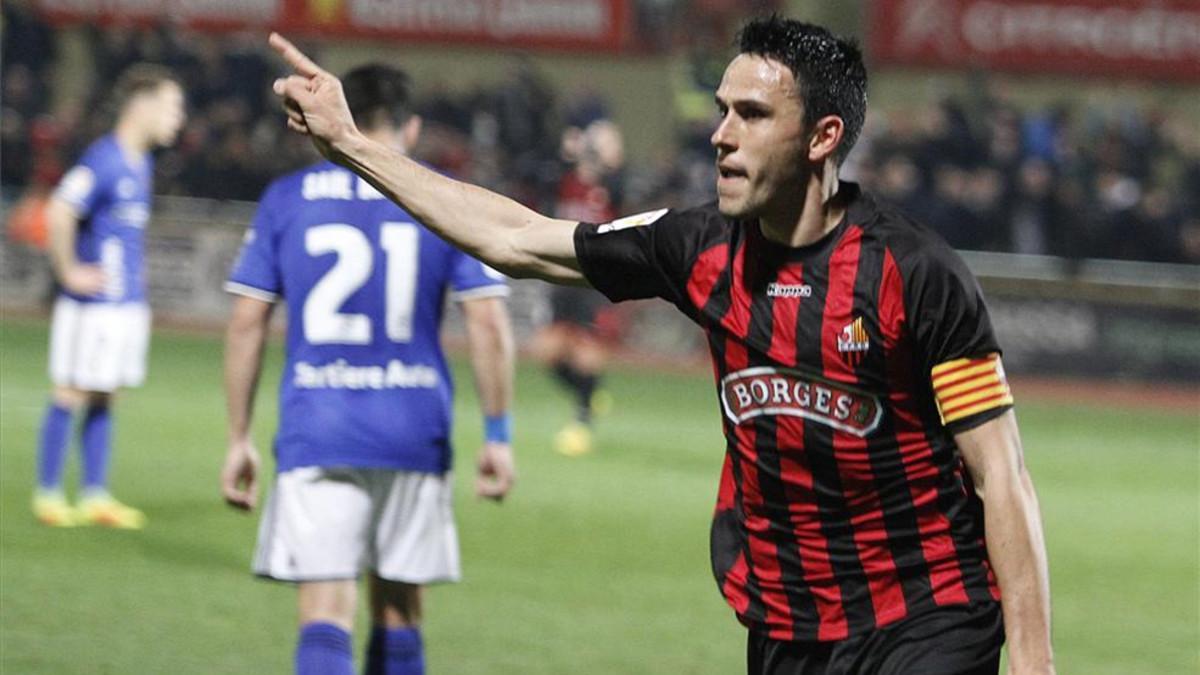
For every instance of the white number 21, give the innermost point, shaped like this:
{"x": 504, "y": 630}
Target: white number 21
{"x": 323, "y": 323}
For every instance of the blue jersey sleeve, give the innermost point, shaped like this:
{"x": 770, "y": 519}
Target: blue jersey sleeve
{"x": 84, "y": 185}
{"x": 256, "y": 272}
{"x": 470, "y": 279}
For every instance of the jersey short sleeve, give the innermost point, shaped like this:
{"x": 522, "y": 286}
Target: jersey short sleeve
{"x": 955, "y": 341}
{"x": 256, "y": 272}
{"x": 647, "y": 255}
{"x": 83, "y": 185}
{"x": 470, "y": 279}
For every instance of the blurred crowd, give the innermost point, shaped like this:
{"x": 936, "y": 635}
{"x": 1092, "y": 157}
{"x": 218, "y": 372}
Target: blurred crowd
{"x": 1096, "y": 180}
{"x": 1076, "y": 181}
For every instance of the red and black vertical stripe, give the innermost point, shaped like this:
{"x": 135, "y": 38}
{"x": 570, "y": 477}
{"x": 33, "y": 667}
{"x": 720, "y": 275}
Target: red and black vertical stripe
{"x": 832, "y": 509}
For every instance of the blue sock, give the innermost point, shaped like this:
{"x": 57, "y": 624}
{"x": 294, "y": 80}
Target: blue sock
{"x": 395, "y": 651}
{"x": 97, "y": 448}
{"x": 324, "y": 649}
{"x": 52, "y": 446}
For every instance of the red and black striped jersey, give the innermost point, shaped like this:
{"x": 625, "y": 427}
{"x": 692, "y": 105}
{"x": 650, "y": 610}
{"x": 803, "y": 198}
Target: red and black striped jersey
{"x": 843, "y": 370}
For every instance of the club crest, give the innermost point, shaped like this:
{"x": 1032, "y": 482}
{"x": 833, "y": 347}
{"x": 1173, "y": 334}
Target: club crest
{"x": 853, "y": 342}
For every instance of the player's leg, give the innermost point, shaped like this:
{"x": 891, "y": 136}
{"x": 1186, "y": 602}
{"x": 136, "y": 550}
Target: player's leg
{"x": 589, "y": 357}
{"x": 416, "y": 543}
{"x": 120, "y": 362}
{"x": 326, "y": 612}
{"x": 67, "y": 341}
{"x": 50, "y": 505}
{"x": 97, "y": 506}
{"x": 395, "y": 646}
{"x": 586, "y": 358}
{"x": 95, "y": 438}
{"x": 314, "y": 532}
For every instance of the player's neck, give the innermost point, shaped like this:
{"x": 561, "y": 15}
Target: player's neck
{"x": 807, "y": 216}
{"x": 133, "y": 141}
{"x": 388, "y": 137}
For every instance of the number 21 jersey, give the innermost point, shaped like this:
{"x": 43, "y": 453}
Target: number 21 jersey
{"x": 365, "y": 381}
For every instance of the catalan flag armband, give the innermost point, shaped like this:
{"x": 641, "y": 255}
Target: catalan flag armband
{"x": 966, "y": 387}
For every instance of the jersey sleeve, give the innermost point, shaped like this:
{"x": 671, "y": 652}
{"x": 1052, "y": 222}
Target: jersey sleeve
{"x": 83, "y": 186}
{"x": 955, "y": 341}
{"x": 256, "y": 272}
{"x": 642, "y": 256}
{"x": 470, "y": 279}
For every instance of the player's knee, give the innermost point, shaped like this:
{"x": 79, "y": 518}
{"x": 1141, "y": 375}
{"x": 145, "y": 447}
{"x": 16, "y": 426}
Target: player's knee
{"x": 328, "y": 602}
{"x": 395, "y": 604}
{"x": 70, "y": 397}
{"x": 99, "y": 399}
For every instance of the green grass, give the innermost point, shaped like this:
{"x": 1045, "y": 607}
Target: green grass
{"x": 594, "y": 565}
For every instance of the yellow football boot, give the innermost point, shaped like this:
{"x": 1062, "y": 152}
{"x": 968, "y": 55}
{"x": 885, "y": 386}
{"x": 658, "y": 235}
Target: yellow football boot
{"x": 51, "y": 509}
{"x": 104, "y": 511}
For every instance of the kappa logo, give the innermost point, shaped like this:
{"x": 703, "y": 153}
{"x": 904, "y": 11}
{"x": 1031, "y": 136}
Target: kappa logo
{"x": 853, "y": 342}
{"x": 777, "y": 290}
{"x": 753, "y": 392}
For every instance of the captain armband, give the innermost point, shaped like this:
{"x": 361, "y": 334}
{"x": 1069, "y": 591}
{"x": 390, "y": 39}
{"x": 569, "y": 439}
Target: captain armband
{"x": 966, "y": 387}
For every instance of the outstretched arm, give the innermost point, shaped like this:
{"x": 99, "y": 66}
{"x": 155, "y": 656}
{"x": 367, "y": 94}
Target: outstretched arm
{"x": 1016, "y": 547}
{"x": 489, "y": 226}
{"x": 490, "y": 339}
{"x": 244, "y": 340}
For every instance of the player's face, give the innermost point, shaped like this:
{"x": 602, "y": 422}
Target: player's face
{"x": 164, "y": 113}
{"x": 761, "y": 141}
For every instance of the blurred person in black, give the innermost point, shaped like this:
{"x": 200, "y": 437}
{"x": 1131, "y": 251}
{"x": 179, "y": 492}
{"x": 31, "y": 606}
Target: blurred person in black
{"x": 869, "y": 427}
{"x": 574, "y": 344}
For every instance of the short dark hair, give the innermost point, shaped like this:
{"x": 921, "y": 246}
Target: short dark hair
{"x": 140, "y": 78}
{"x": 377, "y": 94}
{"x": 828, "y": 69}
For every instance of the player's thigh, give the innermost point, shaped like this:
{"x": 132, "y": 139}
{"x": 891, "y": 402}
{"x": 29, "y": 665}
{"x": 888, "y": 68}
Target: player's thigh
{"x": 416, "y": 540}
{"x": 316, "y": 525}
{"x": 134, "y": 344}
{"x": 957, "y": 640}
{"x": 64, "y": 326}
{"x": 85, "y": 345}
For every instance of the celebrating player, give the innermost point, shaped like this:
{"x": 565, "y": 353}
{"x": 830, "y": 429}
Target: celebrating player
{"x": 363, "y": 446}
{"x": 869, "y": 428}
{"x": 101, "y": 324}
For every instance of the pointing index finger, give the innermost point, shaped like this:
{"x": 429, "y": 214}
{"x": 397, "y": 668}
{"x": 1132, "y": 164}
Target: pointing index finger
{"x": 294, "y": 56}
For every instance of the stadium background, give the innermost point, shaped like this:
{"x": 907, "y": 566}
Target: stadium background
{"x": 1055, "y": 142}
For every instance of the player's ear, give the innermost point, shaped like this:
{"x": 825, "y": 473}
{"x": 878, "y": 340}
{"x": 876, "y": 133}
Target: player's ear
{"x": 826, "y": 137}
{"x": 411, "y": 131}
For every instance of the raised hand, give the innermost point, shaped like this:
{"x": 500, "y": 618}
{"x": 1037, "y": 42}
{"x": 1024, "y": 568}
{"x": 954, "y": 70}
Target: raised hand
{"x": 313, "y": 101}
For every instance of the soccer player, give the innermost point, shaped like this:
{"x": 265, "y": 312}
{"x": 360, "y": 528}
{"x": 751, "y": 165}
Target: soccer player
{"x": 869, "y": 428}
{"x": 573, "y": 342}
{"x": 100, "y": 328}
{"x": 363, "y": 445}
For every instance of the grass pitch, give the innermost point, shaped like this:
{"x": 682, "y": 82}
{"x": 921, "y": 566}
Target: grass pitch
{"x": 594, "y": 565}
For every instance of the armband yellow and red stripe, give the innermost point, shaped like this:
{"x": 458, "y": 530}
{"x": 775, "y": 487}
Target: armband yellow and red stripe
{"x": 965, "y": 387}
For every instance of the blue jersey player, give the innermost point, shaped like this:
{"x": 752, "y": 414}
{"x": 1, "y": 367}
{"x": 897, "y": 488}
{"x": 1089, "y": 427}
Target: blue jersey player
{"x": 101, "y": 323}
{"x": 363, "y": 444}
